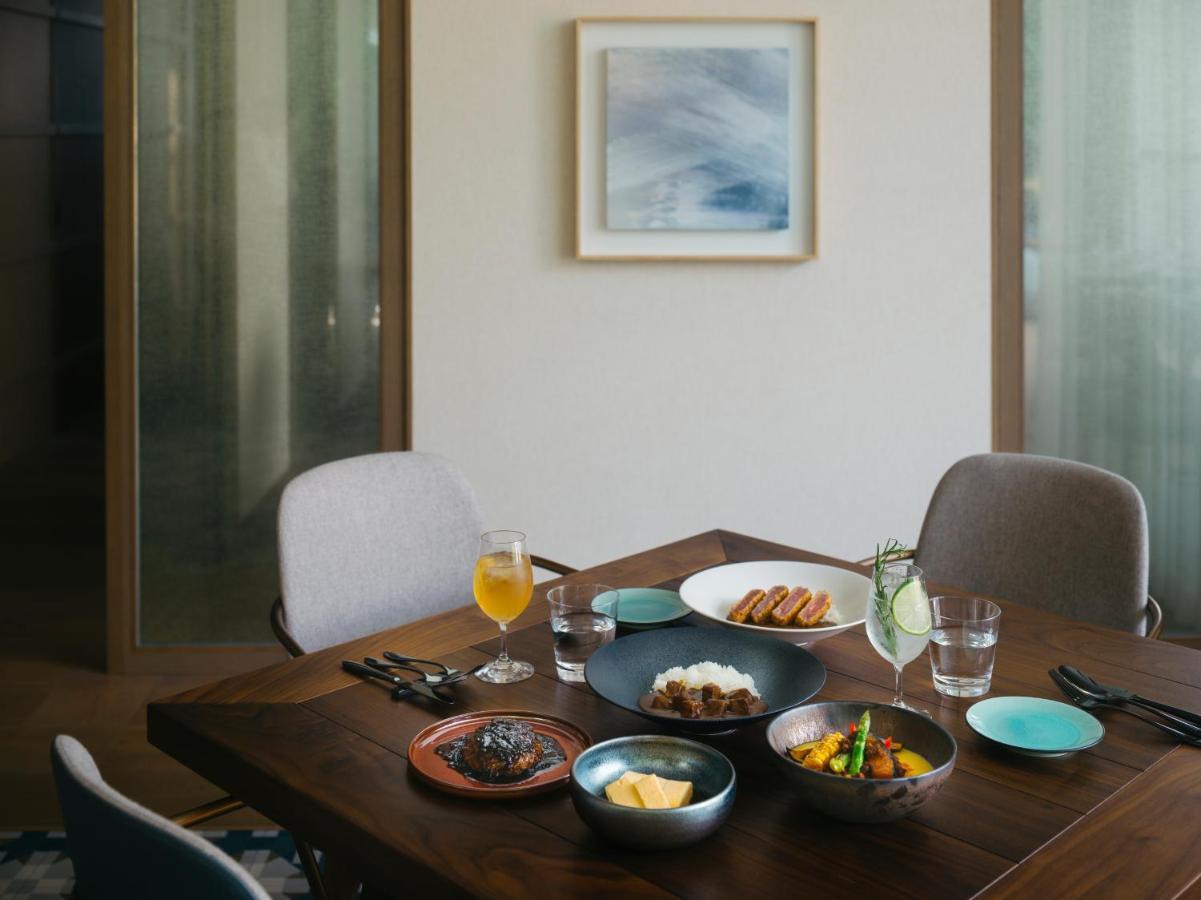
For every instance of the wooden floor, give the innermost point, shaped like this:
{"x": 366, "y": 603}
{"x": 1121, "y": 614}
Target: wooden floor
{"x": 52, "y": 677}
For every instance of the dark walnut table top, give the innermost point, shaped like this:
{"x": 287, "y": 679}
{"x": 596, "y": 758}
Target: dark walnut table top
{"x": 323, "y": 754}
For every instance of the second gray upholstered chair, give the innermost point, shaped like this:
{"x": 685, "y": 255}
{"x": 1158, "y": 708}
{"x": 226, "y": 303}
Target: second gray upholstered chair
{"x": 1048, "y": 533}
{"x": 121, "y": 850}
{"x": 371, "y": 542}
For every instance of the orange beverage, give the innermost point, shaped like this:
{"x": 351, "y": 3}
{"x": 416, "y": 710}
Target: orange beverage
{"x": 503, "y": 584}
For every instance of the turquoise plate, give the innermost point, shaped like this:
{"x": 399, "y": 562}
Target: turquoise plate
{"x": 649, "y": 607}
{"x": 1035, "y": 726}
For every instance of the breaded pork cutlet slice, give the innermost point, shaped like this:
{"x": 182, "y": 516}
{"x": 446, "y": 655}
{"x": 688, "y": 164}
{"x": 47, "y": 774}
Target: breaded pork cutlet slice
{"x": 814, "y": 610}
{"x": 740, "y": 610}
{"x": 764, "y": 607}
{"x": 786, "y": 610}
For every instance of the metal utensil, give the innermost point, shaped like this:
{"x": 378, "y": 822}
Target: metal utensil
{"x": 427, "y": 677}
{"x": 400, "y": 684}
{"x": 1086, "y": 702}
{"x": 1096, "y": 691}
{"x": 410, "y": 660}
{"x": 1090, "y": 684}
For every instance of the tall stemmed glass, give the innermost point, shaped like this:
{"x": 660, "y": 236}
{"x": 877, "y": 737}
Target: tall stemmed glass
{"x": 898, "y": 618}
{"x": 503, "y": 584}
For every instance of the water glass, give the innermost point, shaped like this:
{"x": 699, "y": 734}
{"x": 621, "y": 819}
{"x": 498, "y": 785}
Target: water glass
{"x": 582, "y": 618}
{"x": 963, "y": 645}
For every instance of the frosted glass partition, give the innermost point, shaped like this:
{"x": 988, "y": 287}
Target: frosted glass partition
{"x": 257, "y": 299}
{"x": 1113, "y": 260}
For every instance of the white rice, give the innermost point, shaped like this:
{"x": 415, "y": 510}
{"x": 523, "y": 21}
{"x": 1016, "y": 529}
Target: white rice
{"x": 699, "y": 674}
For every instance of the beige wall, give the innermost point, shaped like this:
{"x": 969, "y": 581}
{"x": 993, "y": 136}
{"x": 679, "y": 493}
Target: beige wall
{"x": 606, "y": 407}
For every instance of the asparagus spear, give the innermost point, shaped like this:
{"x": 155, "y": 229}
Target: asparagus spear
{"x": 865, "y": 722}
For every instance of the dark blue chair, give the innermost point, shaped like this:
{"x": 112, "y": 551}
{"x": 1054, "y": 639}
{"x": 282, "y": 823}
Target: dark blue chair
{"x": 123, "y": 851}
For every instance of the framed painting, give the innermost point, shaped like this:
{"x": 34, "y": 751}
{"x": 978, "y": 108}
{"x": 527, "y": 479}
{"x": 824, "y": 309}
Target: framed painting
{"x": 696, "y": 139}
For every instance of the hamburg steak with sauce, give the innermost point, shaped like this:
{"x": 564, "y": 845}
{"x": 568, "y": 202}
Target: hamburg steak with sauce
{"x": 504, "y": 748}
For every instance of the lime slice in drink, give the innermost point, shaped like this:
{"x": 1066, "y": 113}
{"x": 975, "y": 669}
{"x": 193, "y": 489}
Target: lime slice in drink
{"x": 911, "y": 608}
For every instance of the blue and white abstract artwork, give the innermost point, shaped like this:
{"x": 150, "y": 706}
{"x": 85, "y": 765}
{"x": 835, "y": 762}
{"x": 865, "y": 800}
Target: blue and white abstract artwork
{"x": 697, "y": 138}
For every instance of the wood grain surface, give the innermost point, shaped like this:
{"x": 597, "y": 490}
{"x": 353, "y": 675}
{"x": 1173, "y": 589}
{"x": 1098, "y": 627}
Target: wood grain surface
{"x": 322, "y": 753}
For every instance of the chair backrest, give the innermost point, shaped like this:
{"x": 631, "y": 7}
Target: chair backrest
{"x": 1048, "y": 533}
{"x": 372, "y": 542}
{"x": 121, "y": 850}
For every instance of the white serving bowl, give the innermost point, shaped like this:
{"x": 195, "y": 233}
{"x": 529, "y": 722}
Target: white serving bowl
{"x": 712, "y": 592}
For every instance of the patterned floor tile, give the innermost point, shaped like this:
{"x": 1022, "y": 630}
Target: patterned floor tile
{"x": 34, "y": 865}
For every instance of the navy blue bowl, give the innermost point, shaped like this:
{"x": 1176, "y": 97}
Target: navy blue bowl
{"x": 785, "y": 675}
{"x": 679, "y": 759}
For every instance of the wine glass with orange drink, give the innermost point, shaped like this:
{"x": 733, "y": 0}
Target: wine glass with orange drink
{"x": 503, "y": 584}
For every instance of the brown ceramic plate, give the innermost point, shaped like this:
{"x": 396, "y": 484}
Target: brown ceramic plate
{"x": 432, "y": 768}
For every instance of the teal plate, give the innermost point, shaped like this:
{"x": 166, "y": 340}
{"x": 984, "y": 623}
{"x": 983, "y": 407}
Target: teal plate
{"x": 1035, "y": 726}
{"x": 649, "y": 607}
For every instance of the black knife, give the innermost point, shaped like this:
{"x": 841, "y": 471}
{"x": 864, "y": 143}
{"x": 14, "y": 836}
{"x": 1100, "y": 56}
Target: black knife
{"x": 401, "y": 684}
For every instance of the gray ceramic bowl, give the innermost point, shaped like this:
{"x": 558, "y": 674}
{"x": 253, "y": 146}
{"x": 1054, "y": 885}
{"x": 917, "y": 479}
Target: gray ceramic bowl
{"x": 713, "y": 788}
{"x": 863, "y": 800}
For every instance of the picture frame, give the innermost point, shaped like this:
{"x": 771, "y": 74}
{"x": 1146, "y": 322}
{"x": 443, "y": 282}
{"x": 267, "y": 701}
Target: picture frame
{"x": 736, "y": 180}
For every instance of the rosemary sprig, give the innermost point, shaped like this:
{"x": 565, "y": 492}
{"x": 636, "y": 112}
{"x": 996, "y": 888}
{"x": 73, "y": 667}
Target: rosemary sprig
{"x": 880, "y": 597}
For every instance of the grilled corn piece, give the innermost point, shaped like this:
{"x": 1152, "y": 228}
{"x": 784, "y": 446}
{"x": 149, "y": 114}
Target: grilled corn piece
{"x": 826, "y": 748}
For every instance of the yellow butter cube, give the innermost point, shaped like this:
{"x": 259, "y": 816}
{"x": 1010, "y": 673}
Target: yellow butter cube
{"x": 650, "y": 792}
{"x": 623, "y": 794}
{"x": 631, "y": 776}
{"x": 678, "y": 793}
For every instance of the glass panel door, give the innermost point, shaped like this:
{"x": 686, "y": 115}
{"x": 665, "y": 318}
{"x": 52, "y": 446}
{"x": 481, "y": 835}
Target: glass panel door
{"x": 1113, "y": 260}
{"x": 257, "y": 290}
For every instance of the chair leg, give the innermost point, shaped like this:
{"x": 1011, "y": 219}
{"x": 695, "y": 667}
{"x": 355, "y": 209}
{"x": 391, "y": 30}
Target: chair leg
{"x": 312, "y": 872}
{"x": 200, "y": 814}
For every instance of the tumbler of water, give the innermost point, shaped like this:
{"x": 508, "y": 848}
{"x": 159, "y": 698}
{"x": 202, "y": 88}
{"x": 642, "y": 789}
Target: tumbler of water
{"x": 963, "y": 644}
{"x": 582, "y": 618}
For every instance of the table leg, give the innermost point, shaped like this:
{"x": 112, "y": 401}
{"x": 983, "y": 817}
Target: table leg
{"x": 339, "y": 881}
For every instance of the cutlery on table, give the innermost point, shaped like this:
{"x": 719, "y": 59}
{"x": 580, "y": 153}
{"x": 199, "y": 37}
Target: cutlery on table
{"x": 411, "y": 660}
{"x": 402, "y": 687}
{"x": 1112, "y": 694}
{"x": 428, "y": 677}
{"x": 1086, "y": 702}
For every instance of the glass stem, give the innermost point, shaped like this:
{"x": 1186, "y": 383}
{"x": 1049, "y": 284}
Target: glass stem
{"x": 503, "y": 659}
{"x": 899, "y": 699}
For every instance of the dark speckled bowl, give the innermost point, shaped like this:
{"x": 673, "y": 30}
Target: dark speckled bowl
{"x": 863, "y": 800}
{"x": 785, "y": 675}
{"x": 713, "y": 788}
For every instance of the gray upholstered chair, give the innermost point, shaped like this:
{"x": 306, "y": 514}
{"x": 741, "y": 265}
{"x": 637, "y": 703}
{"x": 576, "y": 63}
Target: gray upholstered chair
{"x": 121, "y": 850}
{"x": 373, "y": 542}
{"x": 369, "y": 543}
{"x": 1049, "y": 533}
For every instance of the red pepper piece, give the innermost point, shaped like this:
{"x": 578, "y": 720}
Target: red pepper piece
{"x": 888, "y": 742}
{"x": 852, "y": 728}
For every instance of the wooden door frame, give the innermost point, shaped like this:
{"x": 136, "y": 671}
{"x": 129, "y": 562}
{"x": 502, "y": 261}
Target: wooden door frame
{"x": 1008, "y": 211}
{"x": 120, "y": 326}
{"x": 395, "y": 229}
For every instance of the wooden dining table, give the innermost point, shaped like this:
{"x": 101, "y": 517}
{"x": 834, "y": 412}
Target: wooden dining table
{"x": 323, "y": 754}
